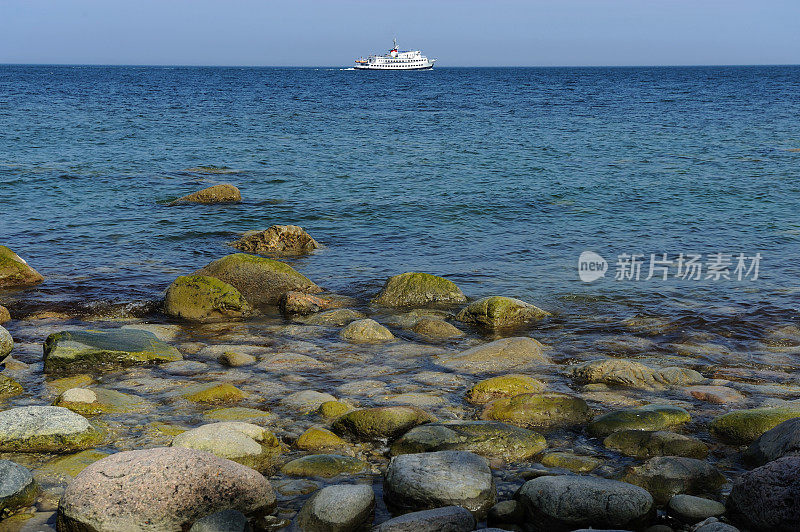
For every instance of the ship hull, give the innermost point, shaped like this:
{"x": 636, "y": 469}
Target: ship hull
{"x": 359, "y": 67}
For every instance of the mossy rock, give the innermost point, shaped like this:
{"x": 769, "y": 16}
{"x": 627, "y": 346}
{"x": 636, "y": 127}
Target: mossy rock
{"x": 107, "y": 402}
{"x": 414, "y": 289}
{"x": 238, "y": 413}
{"x": 486, "y": 438}
{"x": 5, "y": 315}
{"x": 9, "y": 387}
{"x": 338, "y": 317}
{"x": 331, "y": 410}
{"x": 648, "y": 417}
{"x": 324, "y": 465}
{"x": 15, "y": 272}
{"x": 436, "y": 329}
{"x": 245, "y": 443}
{"x": 19, "y": 489}
{"x": 65, "y": 468}
{"x": 318, "y": 439}
{"x": 93, "y": 350}
{"x": 260, "y": 280}
{"x": 204, "y": 298}
{"x": 277, "y": 240}
{"x": 380, "y": 422}
{"x": 213, "y": 393}
{"x": 539, "y": 410}
{"x": 366, "y": 331}
{"x": 6, "y": 343}
{"x": 499, "y": 312}
{"x": 650, "y": 443}
{"x": 573, "y": 462}
{"x": 223, "y": 193}
{"x": 63, "y": 384}
{"x": 745, "y": 426}
{"x": 493, "y": 388}
{"x": 505, "y": 354}
{"x": 42, "y": 429}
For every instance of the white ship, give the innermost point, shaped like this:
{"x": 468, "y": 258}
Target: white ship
{"x": 396, "y": 60}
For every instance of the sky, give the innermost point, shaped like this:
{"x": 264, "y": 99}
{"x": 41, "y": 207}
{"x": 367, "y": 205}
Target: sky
{"x": 457, "y": 33}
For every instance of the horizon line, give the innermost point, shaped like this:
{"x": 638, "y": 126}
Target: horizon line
{"x": 198, "y": 65}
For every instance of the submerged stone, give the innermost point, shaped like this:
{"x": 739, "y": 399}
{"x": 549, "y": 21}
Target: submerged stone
{"x": 380, "y": 422}
{"x": 204, "y": 298}
{"x": 448, "y": 518}
{"x": 213, "y": 392}
{"x": 223, "y": 193}
{"x": 505, "y": 354}
{"x": 649, "y": 443}
{"x": 9, "y": 387}
{"x": 42, "y": 429}
{"x": 238, "y": 413}
{"x": 324, "y": 465}
{"x": 414, "y": 289}
{"x": 6, "y": 343}
{"x": 499, "y": 312}
{"x": 493, "y": 388}
{"x": 648, "y": 417}
{"x": 321, "y": 440}
{"x": 436, "y": 329}
{"x": 621, "y": 372}
{"x": 665, "y": 476}
{"x": 338, "y": 317}
{"x": 338, "y": 508}
{"x": 17, "y": 488}
{"x": 779, "y": 441}
{"x": 571, "y": 461}
{"x": 277, "y": 240}
{"x": 366, "y": 331}
{"x": 744, "y": 426}
{"x": 539, "y": 410}
{"x": 63, "y": 469}
{"x": 15, "y": 272}
{"x": 244, "y": 443}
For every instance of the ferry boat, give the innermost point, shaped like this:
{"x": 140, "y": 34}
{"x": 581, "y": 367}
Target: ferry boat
{"x": 396, "y": 60}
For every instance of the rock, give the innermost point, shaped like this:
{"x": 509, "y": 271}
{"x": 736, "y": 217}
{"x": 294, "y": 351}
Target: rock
{"x": 446, "y": 519}
{"x": 690, "y": 509}
{"x": 767, "y": 499}
{"x": 506, "y": 513}
{"x": 238, "y": 413}
{"x": 277, "y": 240}
{"x": 745, "y": 426}
{"x": 6, "y": 343}
{"x": 486, "y": 438}
{"x": 539, "y": 410}
{"x": 93, "y": 350}
{"x": 4, "y": 315}
{"x": 718, "y": 395}
{"x": 650, "y": 443}
{"x": 260, "y": 280}
{"x": 505, "y": 354}
{"x": 324, "y": 465}
{"x": 621, "y": 372}
{"x": 779, "y": 441}
{"x": 224, "y": 193}
{"x": 430, "y": 480}
{"x": 244, "y": 443}
{"x": 648, "y": 417}
{"x": 9, "y": 387}
{"x": 299, "y": 304}
{"x": 493, "y": 388}
{"x": 64, "y": 468}
{"x": 380, "y": 422}
{"x": 568, "y": 502}
{"x": 330, "y": 410}
{"x": 338, "y": 317}
{"x": 213, "y": 393}
{"x": 182, "y": 486}
{"x": 43, "y": 429}
{"x": 306, "y": 401}
{"x": 713, "y": 525}
{"x": 338, "y": 508}
{"x": 232, "y": 359}
{"x": 413, "y": 289}
{"x": 500, "y": 312}
{"x": 321, "y": 440}
{"x": 222, "y": 521}
{"x": 436, "y": 329}
{"x": 366, "y": 331}
{"x": 17, "y": 488}
{"x": 203, "y": 298}
{"x": 573, "y": 462}
{"x": 15, "y": 272}
{"x": 665, "y": 476}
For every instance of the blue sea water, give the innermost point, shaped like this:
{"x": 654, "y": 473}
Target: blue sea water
{"x": 497, "y": 178}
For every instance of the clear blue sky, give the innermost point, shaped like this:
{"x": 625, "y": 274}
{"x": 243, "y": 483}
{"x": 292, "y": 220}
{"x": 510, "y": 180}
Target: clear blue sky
{"x": 458, "y": 33}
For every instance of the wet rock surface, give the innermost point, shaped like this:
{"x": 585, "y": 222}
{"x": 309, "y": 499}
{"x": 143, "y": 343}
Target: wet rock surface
{"x": 277, "y": 240}
{"x": 768, "y": 497}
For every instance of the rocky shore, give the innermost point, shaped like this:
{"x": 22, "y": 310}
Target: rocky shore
{"x": 255, "y": 399}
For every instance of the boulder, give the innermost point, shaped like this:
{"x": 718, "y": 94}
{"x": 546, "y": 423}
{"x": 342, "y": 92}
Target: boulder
{"x": 690, "y": 509}
{"x": 576, "y": 463}
{"x": 621, "y": 372}
{"x": 539, "y": 410}
{"x": 650, "y": 443}
{"x": 375, "y": 423}
{"x": 486, "y": 438}
{"x": 338, "y": 317}
{"x": 506, "y": 515}
{"x": 338, "y": 508}
{"x": 203, "y": 298}
{"x": 665, "y": 476}
{"x": 648, "y": 417}
{"x": 779, "y": 441}
{"x": 6, "y": 343}
{"x": 46, "y": 429}
{"x": 413, "y": 289}
{"x": 294, "y": 303}
{"x": 767, "y": 499}
{"x": 222, "y": 521}
{"x": 277, "y": 240}
{"x": 17, "y": 488}
{"x": 745, "y": 426}
{"x": 321, "y": 440}
{"x": 233, "y": 359}
{"x": 260, "y": 280}
{"x": 499, "y": 312}
{"x": 5, "y": 315}
{"x": 568, "y": 502}
{"x": 366, "y": 331}
{"x": 245, "y": 443}
{"x": 324, "y": 465}
{"x": 446, "y": 519}
{"x": 493, "y": 388}
{"x": 436, "y": 329}
{"x": 330, "y": 410}
{"x": 93, "y": 350}
{"x": 224, "y": 193}
{"x": 430, "y": 480}
{"x": 15, "y": 272}
{"x": 213, "y": 393}
{"x": 506, "y": 354}
{"x": 169, "y": 488}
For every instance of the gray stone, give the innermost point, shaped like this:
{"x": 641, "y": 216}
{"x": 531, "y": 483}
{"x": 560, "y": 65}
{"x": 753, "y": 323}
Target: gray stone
{"x": 564, "y": 503}
{"x": 366, "y": 331}
{"x": 767, "y": 499}
{"x": 506, "y": 354}
{"x": 6, "y": 343}
{"x": 244, "y": 443}
{"x": 621, "y": 372}
{"x": 17, "y": 487}
{"x": 506, "y": 513}
{"x": 39, "y": 429}
{"x": 712, "y": 524}
{"x": 650, "y": 443}
{"x": 222, "y": 521}
{"x": 418, "y": 289}
{"x": 782, "y": 440}
{"x": 338, "y": 508}
{"x": 499, "y": 312}
{"x": 665, "y": 476}
{"x": 429, "y": 480}
{"x": 690, "y": 509}
{"x": 446, "y": 519}
{"x": 306, "y": 401}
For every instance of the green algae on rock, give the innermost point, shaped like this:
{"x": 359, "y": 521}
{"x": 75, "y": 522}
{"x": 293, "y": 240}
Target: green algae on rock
{"x": 539, "y": 410}
{"x": 204, "y": 298}
{"x": 491, "y": 439}
{"x": 41, "y": 429}
{"x": 499, "y": 312}
{"x": 380, "y": 422}
{"x": 93, "y": 350}
{"x": 65, "y": 468}
{"x": 17, "y": 488}
{"x": 9, "y": 387}
{"x": 493, "y": 388}
{"x": 366, "y": 331}
{"x": 93, "y": 401}
{"x": 649, "y": 443}
{"x": 745, "y": 426}
{"x": 260, "y": 280}
{"x": 648, "y": 417}
{"x": 331, "y": 410}
{"x": 223, "y": 193}
{"x": 15, "y": 272}
{"x": 576, "y": 463}
{"x": 436, "y": 329}
{"x": 415, "y": 289}
{"x": 244, "y": 443}
{"x": 321, "y": 440}
{"x": 324, "y": 465}
{"x": 277, "y": 240}
{"x": 238, "y": 413}
{"x": 212, "y": 393}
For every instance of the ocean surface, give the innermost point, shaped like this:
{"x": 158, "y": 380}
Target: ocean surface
{"x": 497, "y": 178}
